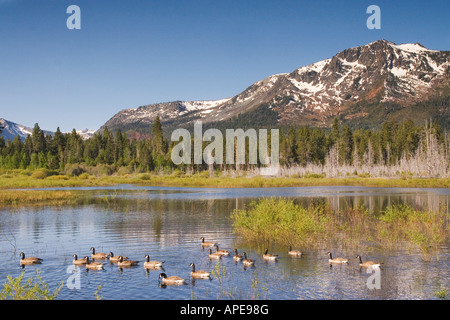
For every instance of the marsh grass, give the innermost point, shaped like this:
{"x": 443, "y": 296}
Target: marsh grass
{"x": 41, "y": 178}
{"x": 281, "y": 221}
{"x": 423, "y": 228}
{"x": 36, "y": 197}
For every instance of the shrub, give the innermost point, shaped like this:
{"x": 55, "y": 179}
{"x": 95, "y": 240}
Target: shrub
{"x": 84, "y": 176}
{"x": 33, "y": 289}
{"x": 74, "y": 169}
{"x": 43, "y": 173}
{"x": 144, "y": 176}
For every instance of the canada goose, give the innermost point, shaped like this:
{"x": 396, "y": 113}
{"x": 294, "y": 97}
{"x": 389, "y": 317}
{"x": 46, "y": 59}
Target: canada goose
{"x": 268, "y": 256}
{"x": 29, "y": 260}
{"x": 294, "y": 252}
{"x": 172, "y": 280}
{"x": 98, "y": 255}
{"x": 222, "y": 252}
{"x": 336, "y": 260}
{"x": 207, "y": 243}
{"x": 126, "y": 263}
{"x": 152, "y": 264}
{"x": 214, "y": 255}
{"x": 78, "y": 261}
{"x": 114, "y": 258}
{"x": 237, "y": 257}
{"x": 93, "y": 265}
{"x": 199, "y": 274}
{"x": 367, "y": 263}
{"x": 247, "y": 262}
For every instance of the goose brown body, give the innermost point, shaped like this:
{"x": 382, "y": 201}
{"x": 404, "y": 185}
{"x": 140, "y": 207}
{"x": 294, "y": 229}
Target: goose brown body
{"x": 221, "y": 252}
{"x": 78, "y": 261}
{"x": 336, "y": 260}
{"x": 199, "y": 273}
{"x": 29, "y": 260}
{"x": 247, "y": 262}
{"x": 207, "y": 243}
{"x": 268, "y": 256}
{"x": 98, "y": 255}
{"x": 152, "y": 264}
{"x": 237, "y": 256}
{"x": 367, "y": 264}
{"x": 294, "y": 253}
{"x": 214, "y": 255}
{"x": 121, "y": 262}
{"x": 114, "y": 258}
{"x": 172, "y": 280}
{"x": 93, "y": 265}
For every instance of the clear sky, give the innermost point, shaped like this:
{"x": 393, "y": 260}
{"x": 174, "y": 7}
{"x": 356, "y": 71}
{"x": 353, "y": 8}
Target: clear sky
{"x": 130, "y": 53}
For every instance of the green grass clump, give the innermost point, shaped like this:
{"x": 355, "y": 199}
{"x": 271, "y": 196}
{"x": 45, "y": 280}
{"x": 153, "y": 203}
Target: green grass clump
{"x": 280, "y": 220}
{"x": 16, "y": 197}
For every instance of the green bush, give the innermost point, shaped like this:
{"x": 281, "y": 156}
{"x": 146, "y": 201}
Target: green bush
{"x": 144, "y": 176}
{"x": 43, "y": 173}
{"x": 33, "y": 289}
{"x": 74, "y": 169}
{"x": 84, "y": 176}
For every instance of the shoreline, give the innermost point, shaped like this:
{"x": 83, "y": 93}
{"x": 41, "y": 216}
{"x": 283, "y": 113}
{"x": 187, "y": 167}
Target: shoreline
{"x": 21, "y": 181}
{"x": 22, "y": 189}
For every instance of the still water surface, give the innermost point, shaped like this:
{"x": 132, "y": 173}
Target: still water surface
{"x": 167, "y": 224}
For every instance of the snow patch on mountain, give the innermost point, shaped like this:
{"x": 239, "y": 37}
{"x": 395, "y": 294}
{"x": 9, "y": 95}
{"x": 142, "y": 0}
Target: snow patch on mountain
{"x": 412, "y": 47}
{"x": 11, "y": 129}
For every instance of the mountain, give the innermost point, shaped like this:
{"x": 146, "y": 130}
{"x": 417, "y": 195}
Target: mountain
{"x": 10, "y": 130}
{"x": 362, "y": 86}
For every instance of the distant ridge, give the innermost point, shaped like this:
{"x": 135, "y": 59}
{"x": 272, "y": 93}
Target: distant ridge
{"x": 11, "y": 129}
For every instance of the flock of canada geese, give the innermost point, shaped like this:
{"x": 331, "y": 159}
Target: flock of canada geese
{"x": 123, "y": 261}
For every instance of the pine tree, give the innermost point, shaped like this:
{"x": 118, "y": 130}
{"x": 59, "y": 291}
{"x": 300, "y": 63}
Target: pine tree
{"x": 157, "y": 136}
{"x": 38, "y": 138}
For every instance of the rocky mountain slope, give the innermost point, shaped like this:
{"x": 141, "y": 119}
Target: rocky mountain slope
{"x": 364, "y": 85}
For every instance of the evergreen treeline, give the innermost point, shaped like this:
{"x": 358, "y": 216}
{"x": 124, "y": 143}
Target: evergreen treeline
{"x": 302, "y": 146}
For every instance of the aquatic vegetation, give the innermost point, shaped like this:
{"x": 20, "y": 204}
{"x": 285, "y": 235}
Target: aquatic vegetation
{"x": 281, "y": 221}
{"x": 441, "y": 293}
{"x": 35, "y": 197}
{"x": 424, "y": 228}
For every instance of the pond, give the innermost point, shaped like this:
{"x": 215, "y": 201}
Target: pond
{"x": 167, "y": 224}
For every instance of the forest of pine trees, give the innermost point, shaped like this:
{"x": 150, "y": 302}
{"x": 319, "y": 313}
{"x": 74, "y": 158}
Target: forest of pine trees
{"x": 395, "y": 149}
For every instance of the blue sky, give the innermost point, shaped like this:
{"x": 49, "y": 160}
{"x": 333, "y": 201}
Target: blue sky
{"x": 131, "y": 53}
